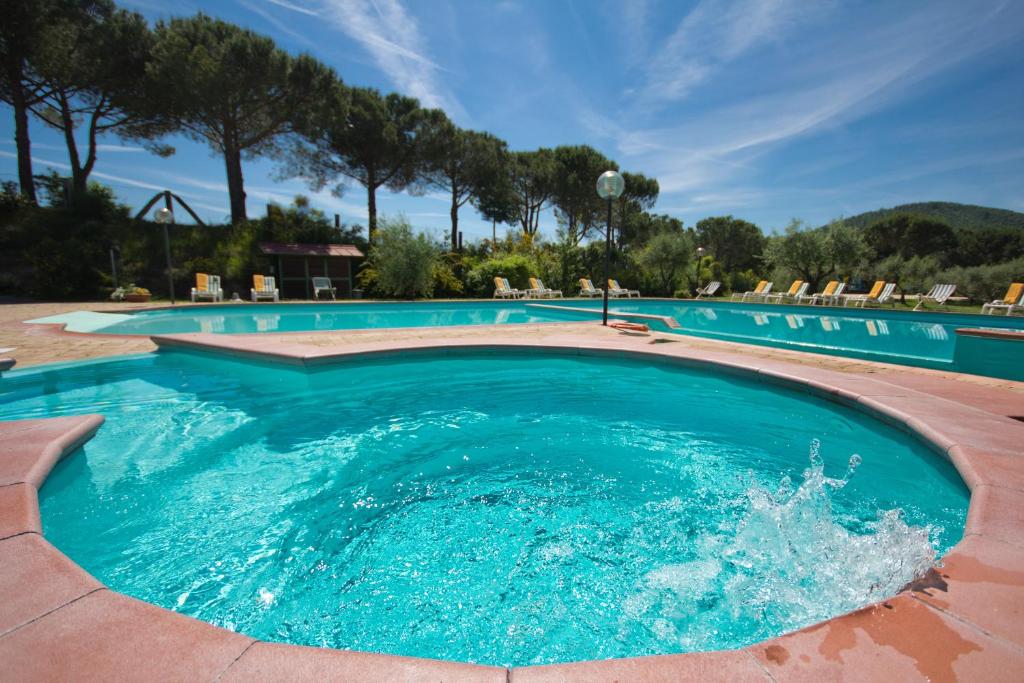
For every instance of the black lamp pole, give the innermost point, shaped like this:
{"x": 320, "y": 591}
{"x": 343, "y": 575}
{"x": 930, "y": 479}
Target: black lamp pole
{"x": 607, "y": 260}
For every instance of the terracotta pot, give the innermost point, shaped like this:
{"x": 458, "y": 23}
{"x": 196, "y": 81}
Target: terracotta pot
{"x": 137, "y": 298}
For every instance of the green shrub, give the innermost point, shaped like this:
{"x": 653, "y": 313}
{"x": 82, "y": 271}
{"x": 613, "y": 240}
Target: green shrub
{"x": 984, "y": 283}
{"x": 517, "y": 268}
{"x": 404, "y": 262}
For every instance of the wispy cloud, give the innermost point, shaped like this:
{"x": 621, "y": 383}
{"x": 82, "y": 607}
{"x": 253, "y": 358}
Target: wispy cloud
{"x": 392, "y": 37}
{"x": 119, "y": 149}
{"x": 277, "y": 23}
{"x": 295, "y": 8}
{"x": 715, "y": 33}
{"x": 829, "y": 81}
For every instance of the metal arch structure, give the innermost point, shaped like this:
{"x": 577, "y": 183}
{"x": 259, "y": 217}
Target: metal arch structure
{"x": 168, "y": 196}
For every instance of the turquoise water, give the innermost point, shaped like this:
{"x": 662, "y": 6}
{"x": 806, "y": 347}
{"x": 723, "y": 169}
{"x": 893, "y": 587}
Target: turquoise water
{"x": 499, "y": 508}
{"x": 921, "y": 339}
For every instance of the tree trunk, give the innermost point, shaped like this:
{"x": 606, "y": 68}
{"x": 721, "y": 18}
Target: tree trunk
{"x": 67, "y": 123}
{"x": 25, "y": 180}
{"x": 236, "y": 186}
{"x": 371, "y": 211}
{"x": 455, "y": 219}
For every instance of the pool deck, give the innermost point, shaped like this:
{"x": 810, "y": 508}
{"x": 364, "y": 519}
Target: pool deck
{"x": 964, "y": 621}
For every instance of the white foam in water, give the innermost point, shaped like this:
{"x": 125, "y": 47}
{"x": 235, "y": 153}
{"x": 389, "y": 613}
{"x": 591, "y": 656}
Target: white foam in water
{"x": 789, "y": 564}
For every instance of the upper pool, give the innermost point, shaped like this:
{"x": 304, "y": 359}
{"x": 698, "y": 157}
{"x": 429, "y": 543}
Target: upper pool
{"x": 923, "y": 339}
{"x": 532, "y": 508}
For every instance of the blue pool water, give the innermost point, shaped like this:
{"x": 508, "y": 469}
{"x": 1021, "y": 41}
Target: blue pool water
{"x": 923, "y": 339}
{"x": 531, "y": 508}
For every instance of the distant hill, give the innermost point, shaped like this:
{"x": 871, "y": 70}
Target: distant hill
{"x": 957, "y": 215}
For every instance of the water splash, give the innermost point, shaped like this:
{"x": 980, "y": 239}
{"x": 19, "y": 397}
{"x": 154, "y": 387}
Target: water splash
{"x": 790, "y": 562}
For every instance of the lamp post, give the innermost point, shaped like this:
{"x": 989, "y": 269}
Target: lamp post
{"x": 609, "y": 187}
{"x": 696, "y": 275}
{"x": 165, "y": 217}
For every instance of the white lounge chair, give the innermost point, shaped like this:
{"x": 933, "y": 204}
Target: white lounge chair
{"x": 588, "y": 289}
{"x": 1012, "y": 301}
{"x": 832, "y": 294}
{"x": 323, "y": 284}
{"x": 796, "y": 290}
{"x": 503, "y": 290}
{"x": 537, "y": 289}
{"x": 615, "y": 290}
{"x": 938, "y": 295}
{"x": 263, "y": 287}
{"x": 207, "y": 287}
{"x": 762, "y": 290}
{"x": 709, "y": 289}
{"x": 874, "y": 296}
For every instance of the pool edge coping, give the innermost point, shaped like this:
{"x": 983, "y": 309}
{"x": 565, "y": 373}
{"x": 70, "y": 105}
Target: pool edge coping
{"x": 962, "y": 434}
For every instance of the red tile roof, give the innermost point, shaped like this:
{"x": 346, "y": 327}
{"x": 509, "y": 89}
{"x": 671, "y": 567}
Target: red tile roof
{"x": 279, "y": 249}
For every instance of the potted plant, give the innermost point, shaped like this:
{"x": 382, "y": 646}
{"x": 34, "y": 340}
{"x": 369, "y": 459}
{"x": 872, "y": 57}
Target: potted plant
{"x": 131, "y": 293}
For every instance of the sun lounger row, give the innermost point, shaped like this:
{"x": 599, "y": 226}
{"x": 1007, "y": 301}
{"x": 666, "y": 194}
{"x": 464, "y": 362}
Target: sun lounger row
{"x": 264, "y": 287}
{"x": 832, "y": 294}
{"x": 537, "y": 290}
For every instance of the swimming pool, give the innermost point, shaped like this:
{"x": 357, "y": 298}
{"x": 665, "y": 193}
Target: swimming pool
{"x": 536, "y": 509}
{"x": 923, "y": 339}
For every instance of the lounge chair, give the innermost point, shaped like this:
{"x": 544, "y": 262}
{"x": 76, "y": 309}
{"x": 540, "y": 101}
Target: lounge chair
{"x": 875, "y": 296}
{"x": 796, "y": 290}
{"x": 502, "y": 290}
{"x": 323, "y": 284}
{"x": 207, "y": 287}
{"x": 876, "y": 289}
{"x": 938, "y": 295}
{"x": 615, "y": 290}
{"x": 762, "y": 290}
{"x": 709, "y": 289}
{"x": 1011, "y": 301}
{"x": 263, "y": 287}
{"x": 827, "y": 293}
{"x": 588, "y": 289}
{"x": 538, "y": 290}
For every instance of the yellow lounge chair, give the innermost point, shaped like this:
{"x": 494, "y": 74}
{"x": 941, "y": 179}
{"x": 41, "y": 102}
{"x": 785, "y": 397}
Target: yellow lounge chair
{"x": 538, "y": 290}
{"x": 263, "y": 287}
{"x": 763, "y": 289}
{"x": 880, "y": 293}
{"x": 615, "y": 290}
{"x": 588, "y": 289}
{"x": 1013, "y": 299}
{"x": 207, "y": 287}
{"x": 502, "y": 290}
{"x": 831, "y": 293}
{"x": 797, "y": 289}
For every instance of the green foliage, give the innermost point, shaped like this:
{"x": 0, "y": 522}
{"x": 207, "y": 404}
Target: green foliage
{"x": 404, "y": 263}
{"x": 734, "y": 243}
{"x": 815, "y": 254}
{"x": 518, "y": 268}
{"x": 574, "y": 197}
{"x": 232, "y": 89}
{"x": 960, "y": 216}
{"x": 915, "y": 275}
{"x": 359, "y": 134}
{"x": 909, "y": 235}
{"x": 664, "y": 259}
{"x": 984, "y": 283}
{"x": 460, "y": 163}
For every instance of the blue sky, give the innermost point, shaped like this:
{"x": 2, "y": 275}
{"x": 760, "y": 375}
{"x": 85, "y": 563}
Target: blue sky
{"x": 764, "y": 109}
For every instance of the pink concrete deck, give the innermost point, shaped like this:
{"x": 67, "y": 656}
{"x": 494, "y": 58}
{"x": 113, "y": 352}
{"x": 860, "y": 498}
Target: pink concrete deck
{"x": 964, "y": 621}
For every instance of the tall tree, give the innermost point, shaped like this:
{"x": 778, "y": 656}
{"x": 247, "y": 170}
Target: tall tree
{"x": 367, "y": 137}
{"x": 908, "y": 235}
{"x": 531, "y": 177}
{"x": 814, "y": 254}
{"x": 575, "y": 197}
{"x": 734, "y": 243}
{"x": 92, "y": 63}
{"x": 461, "y": 163}
{"x": 665, "y": 257}
{"x": 21, "y": 36}
{"x": 234, "y": 90}
{"x": 639, "y": 195}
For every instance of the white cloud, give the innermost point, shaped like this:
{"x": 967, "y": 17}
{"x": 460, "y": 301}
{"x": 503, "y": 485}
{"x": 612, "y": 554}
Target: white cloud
{"x": 293, "y": 7}
{"x": 714, "y": 33}
{"x": 392, "y": 37}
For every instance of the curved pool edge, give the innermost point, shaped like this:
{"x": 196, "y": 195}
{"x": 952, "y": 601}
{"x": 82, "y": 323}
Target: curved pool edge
{"x": 964, "y": 620}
